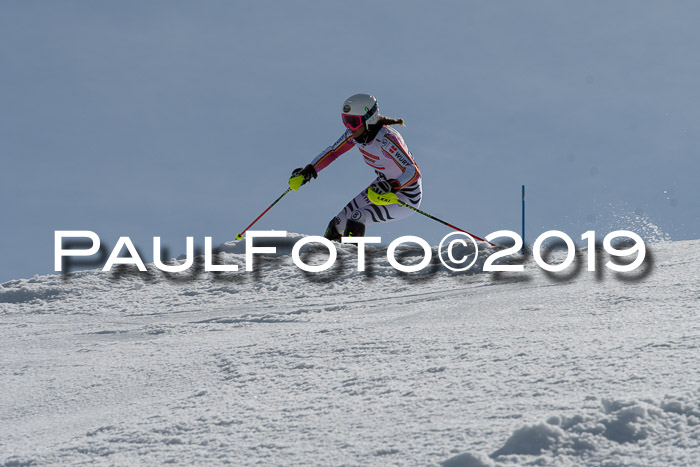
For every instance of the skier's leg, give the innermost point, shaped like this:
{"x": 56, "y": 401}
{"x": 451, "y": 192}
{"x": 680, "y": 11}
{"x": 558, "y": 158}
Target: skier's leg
{"x": 354, "y": 229}
{"x": 331, "y": 231}
{"x": 362, "y": 211}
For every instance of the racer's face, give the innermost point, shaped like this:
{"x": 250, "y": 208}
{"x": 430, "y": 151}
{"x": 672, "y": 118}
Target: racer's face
{"x": 357, "y": 133}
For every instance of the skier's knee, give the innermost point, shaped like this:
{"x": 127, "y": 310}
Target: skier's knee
{"x": 354, "y": 229}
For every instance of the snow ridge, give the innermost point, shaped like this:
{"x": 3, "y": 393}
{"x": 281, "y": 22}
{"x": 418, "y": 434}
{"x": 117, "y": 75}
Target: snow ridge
{"x": 619, "y": 433}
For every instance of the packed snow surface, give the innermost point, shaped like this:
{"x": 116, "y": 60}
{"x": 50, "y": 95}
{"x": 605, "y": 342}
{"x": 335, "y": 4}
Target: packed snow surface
{"x": 282, "y": 367}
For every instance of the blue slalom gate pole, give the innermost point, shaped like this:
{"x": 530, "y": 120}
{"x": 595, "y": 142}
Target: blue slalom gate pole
{"x": 523, "y": 217}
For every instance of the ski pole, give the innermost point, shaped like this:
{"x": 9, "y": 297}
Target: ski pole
{"x": 400, "y": 203}
{"x": 240, "y": 235}
{"x": 390, "y": 198}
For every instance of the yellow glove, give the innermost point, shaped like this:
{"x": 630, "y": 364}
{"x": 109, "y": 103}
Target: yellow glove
{"x": 300, "y": 176}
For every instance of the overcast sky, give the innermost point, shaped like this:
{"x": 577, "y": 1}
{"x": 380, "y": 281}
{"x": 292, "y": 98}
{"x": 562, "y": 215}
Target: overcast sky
{"x": 171, "y": 119}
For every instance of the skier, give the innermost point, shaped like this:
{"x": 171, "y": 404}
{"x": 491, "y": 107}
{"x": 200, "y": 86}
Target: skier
{"x": 384, "y": 150}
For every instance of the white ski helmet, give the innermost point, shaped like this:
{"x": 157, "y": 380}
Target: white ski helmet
{"x": 358, "y": 110}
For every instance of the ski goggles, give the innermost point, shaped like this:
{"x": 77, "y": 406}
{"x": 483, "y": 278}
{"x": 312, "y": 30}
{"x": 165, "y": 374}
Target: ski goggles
{"x": 353, "y": 122}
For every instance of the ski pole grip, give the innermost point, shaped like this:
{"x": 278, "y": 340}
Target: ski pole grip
{"x": 296, "y": 182}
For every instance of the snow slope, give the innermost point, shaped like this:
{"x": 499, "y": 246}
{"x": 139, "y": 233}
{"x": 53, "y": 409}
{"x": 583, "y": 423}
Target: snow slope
{"x": 347, "y": 368}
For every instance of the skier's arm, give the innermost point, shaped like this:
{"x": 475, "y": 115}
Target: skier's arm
{"x": 301, "y": 176}
{"x": 331, "y": 153}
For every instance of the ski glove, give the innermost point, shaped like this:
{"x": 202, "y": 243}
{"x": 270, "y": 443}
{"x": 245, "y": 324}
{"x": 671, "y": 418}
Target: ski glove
{"x": 306, "y": 173}
{"x": 386, "y": 186}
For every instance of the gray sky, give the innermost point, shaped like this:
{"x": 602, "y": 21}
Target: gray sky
{"x": 171, "y": 119}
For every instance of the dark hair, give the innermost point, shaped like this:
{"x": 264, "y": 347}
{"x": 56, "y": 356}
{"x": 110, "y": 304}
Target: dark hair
{"x": 389, "y": 121}
{"x": 374, "y": 128}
